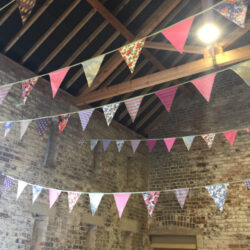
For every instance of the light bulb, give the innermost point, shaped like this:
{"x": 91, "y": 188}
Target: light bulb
{"x": 208, "y": 33}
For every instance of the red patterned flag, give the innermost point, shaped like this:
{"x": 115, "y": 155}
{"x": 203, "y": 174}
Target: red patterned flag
{"x": 132, "y": 106}
{"x": 73, "y": 198}
{"x": 151, "y": 199}
{"x": 27, "y": 86}
{"x": 209, "y": 139}
{"x": 62, "y": 120}
{"x": 167, "y": 96}
{"x": 25, "y": 8}
{"x": 4, "y": 92}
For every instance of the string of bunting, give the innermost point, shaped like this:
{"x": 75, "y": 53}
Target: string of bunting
{"x": 216, "y": 191}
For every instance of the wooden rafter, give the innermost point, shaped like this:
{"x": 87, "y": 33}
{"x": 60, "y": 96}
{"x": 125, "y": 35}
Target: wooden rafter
{"x": 8, "y": 13}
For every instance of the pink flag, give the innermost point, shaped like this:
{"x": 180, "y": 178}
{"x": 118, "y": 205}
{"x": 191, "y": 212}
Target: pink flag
{"x": 230, "y": 135}
{"x": 167, "y": 96}
{"x": 169, "y": 143}
{"x": 121, "y": 201}
{"x": 132, "y": 106}
{"x": 177, "y": 34}
{"x": 53, "y": 195}
{"x": 56, "y": 79}
{"x": 151, "y": 144}
{"x": 205, "y": 85}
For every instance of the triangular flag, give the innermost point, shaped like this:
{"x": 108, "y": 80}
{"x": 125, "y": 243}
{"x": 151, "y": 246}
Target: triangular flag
{"x": 230, "y": 135}
{"x": 151, "y": 144}
{"x": 7, "y": 183}
{"x": 205, "y": 85}
{"x": 209, "y": 139}
{"x": 119, "y": 144}
{"x": 151, "y": 199}
{"x": 178, "y": 33}
{"x": 27, "y": 86}
{"x": 62, "y": 120}
{"x": 181, "y": 195}
{"x": 130, "y": 53}
{"x": 248, "y": 130}
{"x": 36, "y": 190}
{"x": 135, "y": 144}
{"x": 95, "y": 199}
{"x": 247, "y": 183}
{"x": 81, "y": 141}
{"x": 23, "y": 127}
{"x": 91, "y": 68}
{"x": 243, "y": 70}
{"x": 85, "y": 116}
{"x": 53, "y": 195}
{"x": 109, "y": 111}
{"x": 56, "y": 79}
{"x": 121, "y": 200}
{"x": 235, "y": 11}
{"x": 218, "y": 193}
{"x": 93, "y": 143}
{"x": 42, "y": 125}
{"x": 21, "y": 186}
{"x": 105, "y": 144}
{"x": 7, "y": 126}
{"x": 169, "y": 143}
{"x": 73, "y": 198}
{"x": 167, "y": 96}
{"x": 25, "y": 8}
{"x": 188, "y": 140}
{"x": 4, "y": 92}
{"x": 132, "y": 106}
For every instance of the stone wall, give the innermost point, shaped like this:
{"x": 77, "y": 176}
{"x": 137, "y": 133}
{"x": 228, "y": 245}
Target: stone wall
{"x": 69, "y": 167}
{"x": 229, "y": 108}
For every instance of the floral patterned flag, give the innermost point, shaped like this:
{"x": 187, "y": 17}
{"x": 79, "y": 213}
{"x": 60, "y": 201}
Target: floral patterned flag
{"x": 62, "y": 122}
{"x": 135, "y": 144}
{"x": 130, "y": 53}
{"x": 73, "y": 198}
{"x": 132, "y": 106}
{"x": 91, "y": 68}
{"x": 109, "y": 111}
{"x": 85, "y": 116}
{"x": 21, "y": 186}
{"x": 105, "y": 144}
{"x": 234, "y": 10}
{"x": 151, "y": 144}
{"x": 178, "y": 33}
{"x": 169, "y": 143}
{"x": 7, "y": 126}
{"x": 27, "y": 86}
{"x": 25, "y": 8}
{"x": 230, "y": 135}
{"x": 7, "y": 183}
{"x": 23, "y": 127}
{"x": 167, "y": 96}
{"x": 247, "y": 184}
{"x": 181, "y": 195}
{"x": 205, "y": 85}
{"x": 93, "y": 143}
{"x": 121, "y": 200}
{"x": 151, "y": 199}
{"x": 95, "y": 200}
{"x": 243, "y": 70}
{"x": 4, "y": 92}
{"x": 36, "y": 190}
{"x": 56, "y": 79}
{"x": 218, "y": 193}
{"x": 119, "y": 144}
{"x": 53, "y": 195}
{"x": 188, "y": 140}
{"x": 209, "y": 139}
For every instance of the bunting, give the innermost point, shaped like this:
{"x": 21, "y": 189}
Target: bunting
{"x": 53, "y": 195}
{"x": 218, "y": 193}
{"x": 151, "y": 144}
{"x": 72, "y": 198}
{"x": 95, "y": 200}
{"x": 25, "y": 8}
{"x": 36, "y": 190}
{"x": 27, "y": 86}
{"x": 243, "y": 70}
{"x": 91, "y": 68}
{"x": 84, "y": 117}
{"x": 248, "y": 130}
{"x": 21, "y": 186}
{"x": 121, "y": 200}
{"x": 234, "y": 10}
{"x": 23, "y": 127}
{"x": 8, "y": 182}
{"x": 119, "y": 144}
{"x": 4, "y": 92}
{"x": 56, "y": 79}
{"x": 205, "y": 85}
{"x": 7, "y": 126}
{"x": 169, "y": 142}
{"x": 135, "y": 144}
{"x": 151, "y": 199}
{"x": 167, "y": 96}
{"x": 93, "y": 144}
{"x": 209, "y": 139}
{"x": 105, "y": 144}
{"x": 230, "y": 136}
{"x": 132, "y": 106}
{"x": 181, "y": 195}
{"x": 188, "y": 140}
{"x": 247, "y": 184}
{"x": 130, "y": 53}
{"x": 42, "y": 125}
{"x": 178, "y": 33}
{"x": 62, "y": 121}
{"x": 109, "y": 111}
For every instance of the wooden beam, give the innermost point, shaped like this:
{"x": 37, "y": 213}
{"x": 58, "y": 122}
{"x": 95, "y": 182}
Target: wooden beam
{"x": 173, "y": 246}
{"x": 30, "y": 52}
{"x": 202, "y": 65}
{"x": 27, "y": 25}
{"x": 8, "y": 13}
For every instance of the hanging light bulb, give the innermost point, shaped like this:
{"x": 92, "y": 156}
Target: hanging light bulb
{"x": 208, "y": 33}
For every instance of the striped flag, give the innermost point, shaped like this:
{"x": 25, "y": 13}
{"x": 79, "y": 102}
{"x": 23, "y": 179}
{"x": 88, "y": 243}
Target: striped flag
{"x": 132, "y": 106}
{"x": 181, "y": 195}
{"x": 4, "y": 92}
{"x": 85, "y": 116}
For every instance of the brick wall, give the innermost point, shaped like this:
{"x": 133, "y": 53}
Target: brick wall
{"x": 229, "y": 108}
{"x": 73, "y": 167}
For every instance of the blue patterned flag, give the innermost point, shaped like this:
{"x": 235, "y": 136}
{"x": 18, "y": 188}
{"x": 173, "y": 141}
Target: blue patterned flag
{"x": 218, "y": 193}
{"x": 95, "y": 199}
{"x": 8, "y": 126}
{"x": 119, "y": 144}
{"x": 7, "y": 184}
{"x": 93, "y": 143}
{"x": 109, "y": 111}
{"x": 105, "y": 144}
{"x": 247, "y": 184}
{"x": 42, "y": 125}
{"x": 85, "y": 116}
{"x": 36, "y": 190}
{"x": 188, "y": 140}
